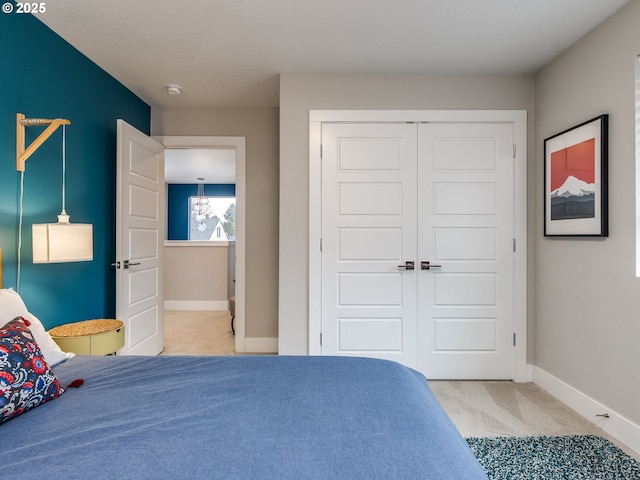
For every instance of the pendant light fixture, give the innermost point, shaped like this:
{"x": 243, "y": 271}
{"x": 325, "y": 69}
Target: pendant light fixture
{"x": 200, "y": 206}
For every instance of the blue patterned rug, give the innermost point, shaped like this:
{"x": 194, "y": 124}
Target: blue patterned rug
{"x": 577, "y": 457}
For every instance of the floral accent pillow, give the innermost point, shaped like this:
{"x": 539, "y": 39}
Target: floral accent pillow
{"x": 25, "y": 378}
{"x": 12, "y": 306}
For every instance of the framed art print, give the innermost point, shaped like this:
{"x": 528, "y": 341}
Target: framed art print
{"x": 575, "y": 180}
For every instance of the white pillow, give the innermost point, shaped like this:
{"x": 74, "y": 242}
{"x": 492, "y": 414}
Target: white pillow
{"x": 12, "y": 306}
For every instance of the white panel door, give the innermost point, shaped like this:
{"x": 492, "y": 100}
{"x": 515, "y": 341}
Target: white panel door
{"x": 369, "y": 232}
{"x": 139, "y": 240}
{"x": 465, "y": 218}
{"x": 439, "y": 195}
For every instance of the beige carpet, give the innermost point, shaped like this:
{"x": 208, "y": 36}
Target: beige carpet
{"x": 198, "y": 333}
{"x": 492, "y": 408}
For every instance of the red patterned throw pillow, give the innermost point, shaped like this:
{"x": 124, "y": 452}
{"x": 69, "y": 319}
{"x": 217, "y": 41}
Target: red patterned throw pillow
{"x": 25, "y": 378}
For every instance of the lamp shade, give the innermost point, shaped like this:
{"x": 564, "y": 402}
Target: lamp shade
{"x": 62, "y": 242}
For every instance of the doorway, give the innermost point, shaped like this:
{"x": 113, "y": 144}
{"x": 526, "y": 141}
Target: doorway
{"x": 237, "y": 145}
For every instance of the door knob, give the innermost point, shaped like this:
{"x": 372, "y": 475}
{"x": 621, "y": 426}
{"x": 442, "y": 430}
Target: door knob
{"x": 410, "y": 265}
{"x": 427, "y": 265}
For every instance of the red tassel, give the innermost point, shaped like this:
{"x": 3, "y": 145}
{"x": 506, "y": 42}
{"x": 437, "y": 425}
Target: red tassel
{"x": 76, "y": 383}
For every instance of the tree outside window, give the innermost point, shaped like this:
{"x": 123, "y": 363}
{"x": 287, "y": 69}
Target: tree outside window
{"x": 212, "y": 218}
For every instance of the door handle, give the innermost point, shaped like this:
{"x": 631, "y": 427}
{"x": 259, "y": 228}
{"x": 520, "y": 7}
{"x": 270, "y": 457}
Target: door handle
{"x": 127, "y": 264}
{"x": 427, "y": 265}
{"x": 409, "y": 265}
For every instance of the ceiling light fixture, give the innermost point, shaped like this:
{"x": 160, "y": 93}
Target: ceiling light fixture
{"x": 200, "y": 206}
{"x": 174, "y": 89}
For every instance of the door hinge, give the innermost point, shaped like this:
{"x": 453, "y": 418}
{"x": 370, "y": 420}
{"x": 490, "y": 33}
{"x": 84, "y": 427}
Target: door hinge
{"x": 320, "y": 150}
{"x": 514, "y": 150}
{"x": 320, "y": 244}
{"x": 514, "y": 244}
{"x": 514, "y": 339}
{"x": 320, "y": 338}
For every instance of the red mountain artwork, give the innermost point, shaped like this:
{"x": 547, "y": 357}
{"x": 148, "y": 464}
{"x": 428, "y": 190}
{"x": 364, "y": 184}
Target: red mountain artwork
{"x": 573, "y": 188}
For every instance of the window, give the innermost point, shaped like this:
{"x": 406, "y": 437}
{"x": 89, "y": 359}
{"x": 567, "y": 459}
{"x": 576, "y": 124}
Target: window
{"x": 212, "y": 218}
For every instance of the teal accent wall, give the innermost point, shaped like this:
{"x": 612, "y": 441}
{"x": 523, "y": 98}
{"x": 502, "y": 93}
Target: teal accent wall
{"x": 178, "y": 205}
{"x": 43, "y": 76}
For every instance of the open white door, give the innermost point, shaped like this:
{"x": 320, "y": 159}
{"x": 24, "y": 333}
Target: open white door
{"x": 139, "y": 240}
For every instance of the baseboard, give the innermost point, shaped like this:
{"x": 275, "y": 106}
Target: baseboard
{"x": 616, "y": 425}
{"x": 260, "y": 345}
{"x": 193, "y": 305}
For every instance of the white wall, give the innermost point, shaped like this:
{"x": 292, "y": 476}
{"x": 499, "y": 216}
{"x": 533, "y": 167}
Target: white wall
{"x": 301, "y": 93}
{"x": 586, "y": 296}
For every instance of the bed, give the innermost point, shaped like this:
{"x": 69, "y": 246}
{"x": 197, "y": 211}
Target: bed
{"x": 244, "y": 417}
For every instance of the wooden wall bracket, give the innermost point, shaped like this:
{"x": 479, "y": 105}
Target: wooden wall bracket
{"x": 23, "y": 153}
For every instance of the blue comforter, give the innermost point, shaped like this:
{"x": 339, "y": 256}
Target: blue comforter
{"x": 240, "y": 417}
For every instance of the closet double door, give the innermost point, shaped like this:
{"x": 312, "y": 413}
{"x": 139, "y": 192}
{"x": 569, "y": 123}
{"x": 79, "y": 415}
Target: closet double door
{"x": 417, "y": 246}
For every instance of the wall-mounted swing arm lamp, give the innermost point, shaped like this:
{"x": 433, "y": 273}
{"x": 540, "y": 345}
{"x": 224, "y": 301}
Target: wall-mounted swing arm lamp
{"x": 53, "y": 242}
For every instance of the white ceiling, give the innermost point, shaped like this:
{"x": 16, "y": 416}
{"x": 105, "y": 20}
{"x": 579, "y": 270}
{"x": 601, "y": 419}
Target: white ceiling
{"x": 189, "y": 165}
{"x": 229, "y": 53}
